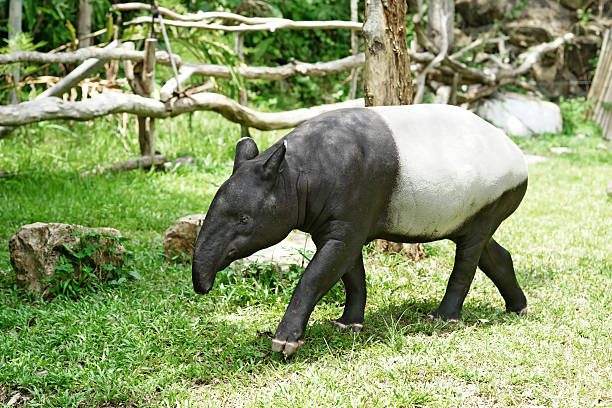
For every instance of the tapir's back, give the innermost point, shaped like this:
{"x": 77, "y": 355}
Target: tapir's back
{"x": 451, "y": 164}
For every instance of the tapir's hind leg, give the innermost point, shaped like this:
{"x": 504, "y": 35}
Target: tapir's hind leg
{"x": 466, "y": 259}
{"x": 355, "y": 287}
{"x": 496, "y": 263}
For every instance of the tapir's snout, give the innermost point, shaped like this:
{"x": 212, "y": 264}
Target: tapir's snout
{"x": 203, "y": 278}
{"x": 201, "y": 289}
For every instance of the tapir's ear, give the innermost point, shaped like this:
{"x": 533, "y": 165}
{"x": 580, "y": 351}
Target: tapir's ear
{"x": 272, "y": 165}
{"x": 246, "y": 149}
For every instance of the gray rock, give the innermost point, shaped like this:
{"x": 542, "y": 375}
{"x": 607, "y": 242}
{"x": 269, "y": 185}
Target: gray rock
{"x": 575, "y": 4}
{"x": 521, "y": 115}
{"x": 290, "y": 251}
{"x": 483, "y": 12}
{"x": 35, "y": 251}
{"x": 179, "y": 244}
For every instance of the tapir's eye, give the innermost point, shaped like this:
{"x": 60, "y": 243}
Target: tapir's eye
{"x": 244, "y": 219}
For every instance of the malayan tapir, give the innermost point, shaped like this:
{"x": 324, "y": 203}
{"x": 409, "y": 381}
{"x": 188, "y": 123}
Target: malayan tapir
{"x": 413, "y": 173}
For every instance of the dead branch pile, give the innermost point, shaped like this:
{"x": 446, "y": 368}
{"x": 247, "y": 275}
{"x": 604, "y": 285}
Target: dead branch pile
{"x": 436, "y": 68}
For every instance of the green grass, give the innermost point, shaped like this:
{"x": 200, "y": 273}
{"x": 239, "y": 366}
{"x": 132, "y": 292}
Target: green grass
{"x": 153, "y": 342}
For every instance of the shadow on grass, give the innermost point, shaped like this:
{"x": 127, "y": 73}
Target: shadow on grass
{"x": 384, "y": 326}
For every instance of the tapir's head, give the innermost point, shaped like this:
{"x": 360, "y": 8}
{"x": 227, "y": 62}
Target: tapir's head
{"x": 250, "y": 211}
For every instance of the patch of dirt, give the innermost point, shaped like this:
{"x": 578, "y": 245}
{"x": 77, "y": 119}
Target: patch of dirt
{"x": 14, "y": 398}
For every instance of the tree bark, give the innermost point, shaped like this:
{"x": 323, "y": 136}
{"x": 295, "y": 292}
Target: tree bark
{"x": 146, "y": 125}
{"x": 14, "y": 28}
{"x": 84, "y": 23}
{"x": 387, "y": 78}
{"x": 441, "y": 17}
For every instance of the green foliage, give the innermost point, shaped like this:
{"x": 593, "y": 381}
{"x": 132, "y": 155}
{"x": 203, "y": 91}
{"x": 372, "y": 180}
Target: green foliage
{"x": 282, "y": 46}
{"x": 573, "y": 112}
{"x": 513, "y": 14}
{"x": 47, "y": 20}
{"x": 79, "y": 270}
{"x": 584, "y": 18}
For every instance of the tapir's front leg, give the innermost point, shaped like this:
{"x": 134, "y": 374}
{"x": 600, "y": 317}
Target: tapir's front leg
{"x": 330, "y": 262}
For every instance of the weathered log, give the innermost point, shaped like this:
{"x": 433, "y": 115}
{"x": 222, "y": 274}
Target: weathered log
{"x": 268, "y": 24}
{"x": 142, "y": 162}
{"x": 116, "y": 102}
{"x": 83, "y": 54}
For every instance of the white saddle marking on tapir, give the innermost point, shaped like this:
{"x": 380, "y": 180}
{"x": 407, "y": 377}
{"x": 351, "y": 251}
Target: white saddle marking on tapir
{"x": 452, "y": 164}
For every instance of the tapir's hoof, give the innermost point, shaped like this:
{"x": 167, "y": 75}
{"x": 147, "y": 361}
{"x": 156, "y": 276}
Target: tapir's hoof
{"x": 287, "y": 347}
{"x": 437, "y": 315}
{"x": 356, "y": 327}
{"x": 521, "y": 312}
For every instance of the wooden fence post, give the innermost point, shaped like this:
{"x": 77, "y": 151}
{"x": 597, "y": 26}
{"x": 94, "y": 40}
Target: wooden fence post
{"x": 600, "y": 93}
{"x": 141, "y": 77}
{"x": 239, "y": 39}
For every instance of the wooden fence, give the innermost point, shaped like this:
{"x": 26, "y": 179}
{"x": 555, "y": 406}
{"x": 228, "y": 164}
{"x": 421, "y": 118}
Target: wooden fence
{"x": 600, "y": 94}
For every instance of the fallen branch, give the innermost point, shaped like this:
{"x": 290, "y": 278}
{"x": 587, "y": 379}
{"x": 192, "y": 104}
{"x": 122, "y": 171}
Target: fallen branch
{"x": 142, "y": 162}
{"x": 83, "y": 54}
{"x": 533, "y": 55}
{"x": 115, "y": 102}
{"x": 268, "y": 24}
{"x": 211, "y": 15}
{"x": 271, "y": 73}
{"x": 280, "y": 72}
{"x": 85, "y": 37}
{"x": 423, "y": 74}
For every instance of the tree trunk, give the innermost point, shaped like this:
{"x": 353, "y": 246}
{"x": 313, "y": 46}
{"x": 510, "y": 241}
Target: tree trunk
{"x": 354, "y": 51}
{"x": 14, "y": 29}
{"x": 387, "y": 78}
{"x": 239, "y": 45}
{"x": 84, "y": 23}
{"x": 436, "y": 23}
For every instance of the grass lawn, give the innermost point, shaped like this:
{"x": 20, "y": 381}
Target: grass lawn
{"x": 154, "y": 342}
